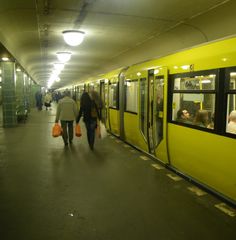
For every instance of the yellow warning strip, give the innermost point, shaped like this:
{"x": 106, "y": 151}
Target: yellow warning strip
{"x": 226, "y": 209}
{"x": 174, "y": 177}
{"x": 126, "y": 146}
{"x": 144, "y": 158}
{"x": 157, "y": 166}
{"x": 197, "y": 191}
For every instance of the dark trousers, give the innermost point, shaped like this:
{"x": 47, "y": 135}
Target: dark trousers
{"x": 91, "y": 126}
{"x": 67, "y": 131}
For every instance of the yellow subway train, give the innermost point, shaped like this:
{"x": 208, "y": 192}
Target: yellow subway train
{"x": 181, "y": 109}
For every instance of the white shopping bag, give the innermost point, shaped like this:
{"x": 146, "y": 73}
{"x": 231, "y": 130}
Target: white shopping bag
{"x": 101, "y": 130}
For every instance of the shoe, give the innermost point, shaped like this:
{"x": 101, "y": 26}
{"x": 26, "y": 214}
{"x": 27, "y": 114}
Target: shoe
{"x": 66, "y": 144}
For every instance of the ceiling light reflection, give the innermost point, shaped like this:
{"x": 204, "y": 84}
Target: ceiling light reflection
{"x": 73, "y": 37}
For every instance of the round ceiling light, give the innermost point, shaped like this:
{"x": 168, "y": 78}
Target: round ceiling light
{"x": 63, "y": 56}
{"x": 73, "y": 37}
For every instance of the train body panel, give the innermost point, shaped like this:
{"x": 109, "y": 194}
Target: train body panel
{"x": 208, "y": 56}
{"x": 114, "y": 121}
{"x": 208, "y": 158}
{"x": 133, "y": 134}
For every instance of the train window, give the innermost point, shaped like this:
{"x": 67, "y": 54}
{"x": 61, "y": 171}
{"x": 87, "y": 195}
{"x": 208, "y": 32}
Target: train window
{"x": 232, "y": 81}
{"x": 195, "y": 83}
{"x": 231, "y": 103}
{"x": 193, "y": 100}
{"x": 158, "y": 106}
{"x": 231, "y": 116}
{"x": 194, "y": 109}
{"x": 96, "y": 87}
{"x": 131, "y": 99}
{"x": 113, "y": 95}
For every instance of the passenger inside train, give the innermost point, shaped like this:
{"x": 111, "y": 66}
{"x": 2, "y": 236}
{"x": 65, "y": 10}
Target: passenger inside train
{"x": 231, "y": 126}
{"x": 201, "y": 119}
{"x": 183, "y": 116}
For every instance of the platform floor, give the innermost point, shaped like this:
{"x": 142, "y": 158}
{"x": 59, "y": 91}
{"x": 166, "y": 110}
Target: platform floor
{"x": 49, "y": 192}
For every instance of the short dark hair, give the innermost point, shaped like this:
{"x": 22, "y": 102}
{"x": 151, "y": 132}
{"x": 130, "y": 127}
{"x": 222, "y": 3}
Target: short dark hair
{"x": 179, "y": 113}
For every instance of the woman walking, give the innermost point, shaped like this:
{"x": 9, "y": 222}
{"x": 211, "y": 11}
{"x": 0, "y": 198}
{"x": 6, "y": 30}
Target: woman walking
{"x": 89, "y": 110}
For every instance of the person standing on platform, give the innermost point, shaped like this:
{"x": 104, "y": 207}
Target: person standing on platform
{"x": 48, "y": 100}
{"x": 90, "y": 112}
{"x": 39, "y": 100}
{"x": 67, "y": 112}
{"x": 231, "y": 127}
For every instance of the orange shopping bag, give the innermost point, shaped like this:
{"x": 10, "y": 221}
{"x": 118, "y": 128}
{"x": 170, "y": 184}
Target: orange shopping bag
{"x": 78, "y": 130}
{"x": 56, "y": 130}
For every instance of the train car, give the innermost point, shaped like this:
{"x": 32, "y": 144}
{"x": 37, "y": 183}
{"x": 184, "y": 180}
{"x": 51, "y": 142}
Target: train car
{"x": 181, "y": 109}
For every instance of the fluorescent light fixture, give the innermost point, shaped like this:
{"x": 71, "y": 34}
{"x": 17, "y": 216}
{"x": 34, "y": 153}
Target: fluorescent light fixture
{"x": 5, "y": 58}
{"x": 206, "y": 81}
{"x": 139, "y": 74}
{"x": 63, "y": 56}
{"x": 73, "y": 37}
{"x": 185, "y": 67}
{"x": 224, "y": 59}
{"x": 233, "y": 74}
{"x": 18, "y": 70}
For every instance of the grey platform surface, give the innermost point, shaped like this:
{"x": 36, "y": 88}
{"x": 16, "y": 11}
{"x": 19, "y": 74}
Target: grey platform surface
{"x": 48, "y": 192}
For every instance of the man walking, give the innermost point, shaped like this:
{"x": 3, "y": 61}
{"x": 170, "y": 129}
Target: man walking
{"x": 66, "y": 112}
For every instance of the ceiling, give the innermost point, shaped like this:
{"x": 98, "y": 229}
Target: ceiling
{"x": 118, "y": 32}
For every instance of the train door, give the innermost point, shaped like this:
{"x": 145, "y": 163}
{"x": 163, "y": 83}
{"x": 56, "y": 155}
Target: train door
{"x": 106, "y": 103}
{"x": 102, "y": 95}
{"x": 157, "y": 107}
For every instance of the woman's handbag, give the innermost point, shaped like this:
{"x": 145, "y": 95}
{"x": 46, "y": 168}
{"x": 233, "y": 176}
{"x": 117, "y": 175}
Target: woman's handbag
{"x": 56, "y": 130}
{"x": 78, "y": 130}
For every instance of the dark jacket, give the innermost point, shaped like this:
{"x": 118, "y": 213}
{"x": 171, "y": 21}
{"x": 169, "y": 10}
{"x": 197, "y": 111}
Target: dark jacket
{"x": 90, "y": 112}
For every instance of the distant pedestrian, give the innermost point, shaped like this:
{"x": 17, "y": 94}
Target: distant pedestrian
{"x": 47, "y": 100}
{"x": 90, "y": 112}
{"x": 39, "y": 100}
{"x": 67, "y": 112}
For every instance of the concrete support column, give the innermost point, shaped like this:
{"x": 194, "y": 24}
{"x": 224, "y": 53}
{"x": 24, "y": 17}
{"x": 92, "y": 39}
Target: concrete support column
{"x": 27, "y": 92}
{"x": 19, "y": 89}
{"x": 30, "y": 93}
{"x": 8, "y": 94}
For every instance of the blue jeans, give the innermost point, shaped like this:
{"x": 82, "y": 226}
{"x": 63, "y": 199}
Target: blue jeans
{"x": 91, "y": 126}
